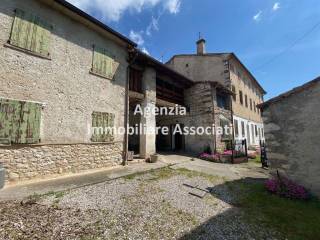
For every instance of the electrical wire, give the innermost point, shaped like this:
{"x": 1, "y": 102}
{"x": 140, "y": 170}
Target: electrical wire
{"x": 289, "y": 47}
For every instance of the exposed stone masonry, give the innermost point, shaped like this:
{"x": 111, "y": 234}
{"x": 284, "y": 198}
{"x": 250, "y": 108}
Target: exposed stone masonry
{"x": 28, "y": 162}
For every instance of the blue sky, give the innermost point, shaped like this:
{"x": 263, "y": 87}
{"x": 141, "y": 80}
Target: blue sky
{"x": 273, "y": 38}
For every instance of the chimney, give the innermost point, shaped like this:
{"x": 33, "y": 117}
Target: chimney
{"x": 201, "y": 47}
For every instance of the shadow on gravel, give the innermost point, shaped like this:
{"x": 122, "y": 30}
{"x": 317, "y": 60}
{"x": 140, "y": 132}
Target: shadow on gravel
{"x": 231, "y": 224}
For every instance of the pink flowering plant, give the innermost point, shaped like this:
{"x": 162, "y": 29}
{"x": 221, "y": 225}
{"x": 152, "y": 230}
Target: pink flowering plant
{"x": 284, "y": 187}
{"x": 215, "y": 157}
{"x": 209, "y": 157}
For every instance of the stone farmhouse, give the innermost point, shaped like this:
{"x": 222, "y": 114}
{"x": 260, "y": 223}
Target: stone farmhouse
{"x": 63, "y": 73}
{"x": 292, "y": 122}
{"x": 227, "y": 69}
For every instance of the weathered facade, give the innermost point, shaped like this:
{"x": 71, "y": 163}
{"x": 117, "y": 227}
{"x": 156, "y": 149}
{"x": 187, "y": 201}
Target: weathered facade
{"x": 63, "y": 84}
{"x": 171, "y": 89}
{"x": 204, "y": 112}
{"x": 292, "y": 122}
{"x": 228, "y": 70}
{"x": 64, "y": 78}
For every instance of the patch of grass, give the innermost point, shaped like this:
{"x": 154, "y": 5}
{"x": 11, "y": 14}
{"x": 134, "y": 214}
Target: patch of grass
{"x": 138, "y": 174}
{"x": 256, "y": 160}
{"x": 294, "y": 219}
{"x": 57, "y": 195}
{"x": 167, "y": 172}
{"x": 34, "y": 197}
{"x": 191, "y": 174}
{"x": 37, "y": 197}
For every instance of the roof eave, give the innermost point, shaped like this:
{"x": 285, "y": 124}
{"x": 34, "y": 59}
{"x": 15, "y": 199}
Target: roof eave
{"x": 162, "y": 66}
{"x": 251, "y": 75}
{"x": 95, "y": 21}
{"x": 289, "y": 93}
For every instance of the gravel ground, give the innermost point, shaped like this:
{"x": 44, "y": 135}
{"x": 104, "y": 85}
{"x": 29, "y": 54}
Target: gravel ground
{"x": 156, "y": 205}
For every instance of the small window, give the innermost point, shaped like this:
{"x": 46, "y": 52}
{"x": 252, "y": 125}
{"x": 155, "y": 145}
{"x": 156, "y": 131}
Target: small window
{"x": 103, "y": 64}
{"x": 246, "y": 100}
{"x": 239, "y": 75}
{"x": 241, "y": 97}
{"x": 254, "y": 106}
{"x": 243, "y": 129}
{"x": 252, "y": 133}
{"x": 135, "y": 80}
{"x": 19, "y": 122}
{"x": 234, "y": 96}
{"x": 250, "y": 104}
{"x": 222, "y": 101}
{"x": 30, "y": 33}
{"x": 236, "y": 128}
{"x": 223, "y": 123}
{"x": 259, "y": 131}
{"x": 102, "y": 124}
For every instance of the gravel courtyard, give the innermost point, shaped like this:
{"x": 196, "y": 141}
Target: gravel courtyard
{"x": 161, "y": 204}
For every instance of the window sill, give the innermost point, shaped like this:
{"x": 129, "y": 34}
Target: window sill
{"x": 8, "y": 45}
{"x": 100, "y": 75}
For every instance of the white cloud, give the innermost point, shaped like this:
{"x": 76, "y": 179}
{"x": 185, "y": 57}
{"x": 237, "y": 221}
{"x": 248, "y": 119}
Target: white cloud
{"x": 276, "y": 6}
{"x": 173, "y": 6}
{"x": 112, "y": 10}
{"x": 258, "y": 16}
{"x": 144, "y": 50}
{"x": 136, "y": 37}
{"x": 153, "y": 26}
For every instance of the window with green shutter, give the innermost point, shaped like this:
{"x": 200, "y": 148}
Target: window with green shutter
{"x": 19, "y": 122}
{"x": 31, "y": 33}
{"x": 102, "y": 124}
{"x": 103, "y": 64}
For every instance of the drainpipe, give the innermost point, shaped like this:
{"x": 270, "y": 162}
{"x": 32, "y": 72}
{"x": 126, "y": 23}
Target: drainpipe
{"x": 231, "y": 107}
{"x": 233, "y": 136}
{"x": 214, "y": 118}
{"x": 131, "y": 60}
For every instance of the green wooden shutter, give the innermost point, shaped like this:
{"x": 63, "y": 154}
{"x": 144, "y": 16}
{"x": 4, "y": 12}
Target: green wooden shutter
{"x": 102, "y": 120}
{"x": 103, "y": 64}
{"x": 19, "y": 30}
{"x": 29, "y": 127}
{"x": 31, "y": 33}
{"x": 20, "y": 122}
{"x": 7, "y": 110}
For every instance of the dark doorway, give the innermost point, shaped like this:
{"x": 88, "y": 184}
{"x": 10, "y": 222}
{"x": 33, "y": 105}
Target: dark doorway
{"x": 179, "y": 140}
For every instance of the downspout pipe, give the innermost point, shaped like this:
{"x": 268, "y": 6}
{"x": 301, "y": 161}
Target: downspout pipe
{"x": 133, "y": 54}
{"x": 232, "y": 116}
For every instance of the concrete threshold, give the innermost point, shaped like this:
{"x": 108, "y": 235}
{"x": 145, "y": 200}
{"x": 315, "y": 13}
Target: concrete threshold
{"x": 68, "y": 182}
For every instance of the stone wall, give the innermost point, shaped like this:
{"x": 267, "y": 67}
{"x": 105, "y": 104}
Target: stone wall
{"x": 213, "y": 67}
{"x": 68, "y": 92}
{"x": 201, "y": 67}
{"x": 63, "y": 84}
{"x": 201, "y": 99}
{"x": 292, "y": 135}
{"x": 28, "y": 162}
